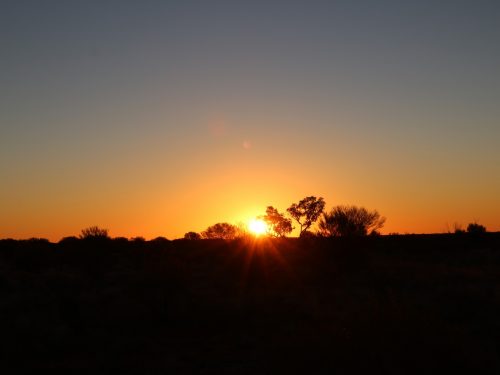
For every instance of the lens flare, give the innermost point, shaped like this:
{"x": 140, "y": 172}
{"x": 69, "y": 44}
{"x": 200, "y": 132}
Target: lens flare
{"x": 257, "y": 227}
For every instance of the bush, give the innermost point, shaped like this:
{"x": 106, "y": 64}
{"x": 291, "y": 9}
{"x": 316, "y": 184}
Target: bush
{"x": 350, "y": 221}
{"x": 476, "y": 228}
{"x": 192, "y": 236}
{"x": 308, "y": 234}
{"x": 138, "y": 239}
{"x": 160, "y": 240}
{"x": 224, "y": 231}
{"x": 457, "y": 228}
{"x": 69, "y": 240}
{"x": 94, "y": 232}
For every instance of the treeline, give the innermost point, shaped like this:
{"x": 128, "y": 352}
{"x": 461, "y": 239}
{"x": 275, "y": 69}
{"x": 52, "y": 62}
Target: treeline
{"x": 312, "y": 220}
{"x": 341, "y": 220}
{"x": 308, "y": 216}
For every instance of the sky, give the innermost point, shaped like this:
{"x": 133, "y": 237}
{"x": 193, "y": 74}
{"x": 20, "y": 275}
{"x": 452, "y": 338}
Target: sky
{"x": 155, "y": 118}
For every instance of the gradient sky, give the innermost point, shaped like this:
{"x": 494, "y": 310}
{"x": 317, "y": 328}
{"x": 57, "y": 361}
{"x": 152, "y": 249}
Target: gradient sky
{"x": 156, "y": 118}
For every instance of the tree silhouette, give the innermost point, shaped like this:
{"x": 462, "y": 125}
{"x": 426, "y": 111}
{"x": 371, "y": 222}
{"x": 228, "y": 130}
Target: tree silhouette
{"x": 94, "y": 232}
{"x": 192, "y": 236}
{"x": 306, "y": 212}
{"x": 223, "y": 231}
{"x": 278, "y": 224}
{"x": 350, "y": 221}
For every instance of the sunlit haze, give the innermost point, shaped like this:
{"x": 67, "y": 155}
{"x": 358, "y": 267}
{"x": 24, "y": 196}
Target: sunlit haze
{"x": 257, "y": 227}
{"x": 158, "y": 118}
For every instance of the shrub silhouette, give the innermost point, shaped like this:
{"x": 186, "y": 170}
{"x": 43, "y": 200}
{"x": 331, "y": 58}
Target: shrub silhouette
{"x": 457, "y": 228}
{"x": 192, "y": 236}
{"x": 94, "y": 232}
{"x": 476, "y": 228}
{"x": 160, "y": 239}
{"x": 350, "y": 221}
{"x": 308, "y": 234}
{"x": 224, "y": 231}
{"x": 306, "y": 212}
{"x": 279, "y": 225}
{"x": 120, "y": 241}
{"x": 69, "y": 239}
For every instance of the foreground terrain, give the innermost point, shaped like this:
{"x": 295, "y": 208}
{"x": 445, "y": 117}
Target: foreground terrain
{"x": 390, "y": 304}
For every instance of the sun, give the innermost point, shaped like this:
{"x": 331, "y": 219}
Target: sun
{"x": 257, "y": 227}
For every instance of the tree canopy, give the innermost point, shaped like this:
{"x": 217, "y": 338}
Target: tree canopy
{"x": 306, "y": 212}
{"x": 278, "y": 224}
{"x": 223, "y": 231}
{"x": 192, "y": 236}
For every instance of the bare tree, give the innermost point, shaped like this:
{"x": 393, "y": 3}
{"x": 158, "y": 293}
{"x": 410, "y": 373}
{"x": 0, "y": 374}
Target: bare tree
{"x": 278, "y": 224}
{"x": 350, "y": 221}
{"x": 306, "y": 212}
{"x": 223, "y": 231}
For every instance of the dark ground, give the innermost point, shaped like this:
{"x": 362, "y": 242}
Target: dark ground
{"x": 383, "y": 305}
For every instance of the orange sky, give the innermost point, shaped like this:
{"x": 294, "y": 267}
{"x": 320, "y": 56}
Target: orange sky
{"x": 235, "y": 184}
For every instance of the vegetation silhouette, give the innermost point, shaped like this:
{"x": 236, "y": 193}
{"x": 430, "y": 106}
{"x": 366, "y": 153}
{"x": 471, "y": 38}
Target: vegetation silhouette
{"x": 138, "y": 239}
{"x": 94, "y": 232}
{"x": 306, "y": 212}
{"x": 386, "y": 304}
{"x": 160, "y": 240}
{"x": 309, "y": 234}
{"x": 457, "y": 228}
{"x": 349, "y": 221}
{"x": 69, "y": 240}
{"x": 240, "y": 304}
{"x": 278, "y": 224}
{"x": 475, "y": 228}
{"x": 192, "y": 236}
{"x": 223, "y": 231}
